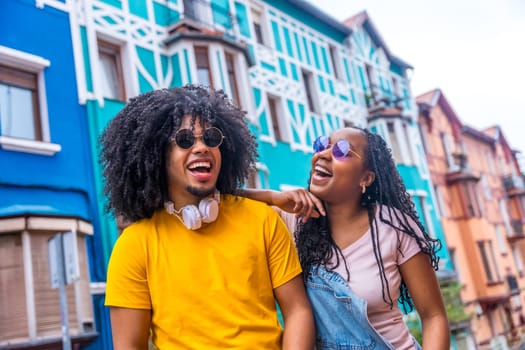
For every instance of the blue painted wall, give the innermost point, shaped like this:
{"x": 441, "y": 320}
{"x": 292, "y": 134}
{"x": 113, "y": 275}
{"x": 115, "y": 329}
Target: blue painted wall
{"x": 59, "y": 184}
{"x": 62, "y": 184}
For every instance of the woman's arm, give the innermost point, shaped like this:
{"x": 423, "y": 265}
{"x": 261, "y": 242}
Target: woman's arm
{"x": 424, "y": 289}
{"x": 130, "y": 328}
{"x": 298, "y": 201}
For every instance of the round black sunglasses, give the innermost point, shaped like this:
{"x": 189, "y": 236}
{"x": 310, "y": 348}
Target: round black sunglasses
{"x": 185, "y": 138}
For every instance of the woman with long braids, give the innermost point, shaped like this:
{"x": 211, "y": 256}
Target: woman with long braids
{"x": 363, "y": 249}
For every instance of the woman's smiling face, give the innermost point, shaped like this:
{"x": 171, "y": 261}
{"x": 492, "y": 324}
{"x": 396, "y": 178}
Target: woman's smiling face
{"x": 333, "y": 179}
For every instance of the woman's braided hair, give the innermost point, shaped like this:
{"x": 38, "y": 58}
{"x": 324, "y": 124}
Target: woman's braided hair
{"x": 388, "y": 193}
{"x": 136, "y": 142}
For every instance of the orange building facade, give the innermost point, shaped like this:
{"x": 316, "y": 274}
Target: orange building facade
{"x": 481, "y": 196}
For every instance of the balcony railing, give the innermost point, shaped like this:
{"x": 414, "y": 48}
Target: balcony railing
{"x": 208, "y": 15}
{"x": 517, "y": 227}
{"x": 514, "y": 182}
{"x": 512, "y": 283}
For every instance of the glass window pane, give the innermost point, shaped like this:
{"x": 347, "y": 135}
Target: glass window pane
{"x": 203, "y": 76}
{"x": 17, "y": 112}
{"x": 110, "y": 79}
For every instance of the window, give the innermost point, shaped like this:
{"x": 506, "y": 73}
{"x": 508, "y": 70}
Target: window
{"x": 19, "y": 105}
{"x": 499, "y": 238}
{"x": 424, "y": 137}
{"x": 370, "y": 76}
{"x": 336, "y": 62}
{"x": 489, "y": 262}
{"x": 411, "y": 158}
{"x": 490, "y": 161}
{"x": 24, "y": 123}
{"x": 454, "y": 261}
{"x": 309, "y": 88}
{"x": 13, "y": 321}
{"x": 198, "y": 10}
{"x": 372, "y": 94}
{"x": 486, "y": 187}
{"x": 203, "y": 66}
{"x": 425, "y": 217}
{"x": 396, "y": 90}
{"x": 394, "y": 142}
{"x": 521, "y": 206}
{"x": 253, "y": 180}
{"x": 447, "y": 148}
{"x": 348, "y": 123}
{"x": 469, "y": 196}
{"x": 111, "y": 73}
{"x": 273, "y": 110}
{"x": 516, "y": 254}
{"x": 440, "y": 202}
{"x": 257, "y": 19}
{"x": 29, "y": 305}
{"x": 232, "y": 79}
{"x": 505, "y": 218}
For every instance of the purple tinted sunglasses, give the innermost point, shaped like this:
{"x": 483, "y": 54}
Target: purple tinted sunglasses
{"x": 340, "y": 149}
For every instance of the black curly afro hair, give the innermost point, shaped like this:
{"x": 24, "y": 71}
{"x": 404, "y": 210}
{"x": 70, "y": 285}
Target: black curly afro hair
{"x": 135, "y": 144}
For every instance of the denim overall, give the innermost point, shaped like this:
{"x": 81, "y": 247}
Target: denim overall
{"x": 340, "y": 316}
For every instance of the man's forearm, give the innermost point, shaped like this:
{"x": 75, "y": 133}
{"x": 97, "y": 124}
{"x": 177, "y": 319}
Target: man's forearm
{"x": 299, "y": 331}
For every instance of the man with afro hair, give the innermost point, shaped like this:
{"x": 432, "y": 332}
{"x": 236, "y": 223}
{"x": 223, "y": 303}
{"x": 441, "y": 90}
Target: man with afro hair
{"x": 198, "y": 267}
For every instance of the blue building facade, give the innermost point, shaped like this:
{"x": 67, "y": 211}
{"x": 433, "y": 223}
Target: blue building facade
{"x": 46, "y": 186}
{"x": 296, "y": 71}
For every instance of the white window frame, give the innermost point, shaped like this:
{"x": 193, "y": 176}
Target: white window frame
{"x": 115, "y": 50}
{"x": 486, "y": 187}
{"x": 425, "y": 208}
{"x": 505, "y": 218}
{"x": 517, "y": 259}
{"x": 202, "y": 11}
{"x": 311, "y": 85}
{"x": 394, "y": 141}
{"x": 34, "y": 64}
{"x": 282, "y": 124}
{"x": 447, "y": 148}
{"x": 266, "y": 37}
{"x": 500, "y": 239}
{"x": 337, "y": 62}
{"x": 442, "y": 209}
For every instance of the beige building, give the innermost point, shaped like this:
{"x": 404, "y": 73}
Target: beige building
{"x": 481, "y": 192}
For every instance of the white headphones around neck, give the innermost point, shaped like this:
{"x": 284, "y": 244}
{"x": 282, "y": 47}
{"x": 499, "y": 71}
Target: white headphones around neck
{"x": 192, "y": 216}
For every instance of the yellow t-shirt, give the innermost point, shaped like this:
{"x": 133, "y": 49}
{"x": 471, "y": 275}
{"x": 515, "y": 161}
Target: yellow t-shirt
{"x": 211, "y": 288}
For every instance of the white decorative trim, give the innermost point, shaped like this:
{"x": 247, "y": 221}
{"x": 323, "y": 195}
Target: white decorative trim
{"x": 417, "y": 192}
{"x": 29, "y": 285}
{"x": 22, "y": 60}
{"x": 78, "y": 57}
{"x": 97, "y": 288}
{"x": 85, "y": 227}
{"x": 263, "y": 167}
{"x": 81, "y": 317}
{"x": 218, "y": 76}
{"x": 59, "y": 224}
{"x": 29, "y": 146}
{"x": 12, "y": 225}
{"x": 52, "y": 3}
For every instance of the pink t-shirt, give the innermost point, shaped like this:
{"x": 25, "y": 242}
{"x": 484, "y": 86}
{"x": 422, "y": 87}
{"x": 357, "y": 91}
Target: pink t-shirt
{"x": 365, "y": 280}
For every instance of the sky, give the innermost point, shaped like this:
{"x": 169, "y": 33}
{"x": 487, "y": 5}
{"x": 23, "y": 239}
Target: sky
{"x": 473, "y": 50}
